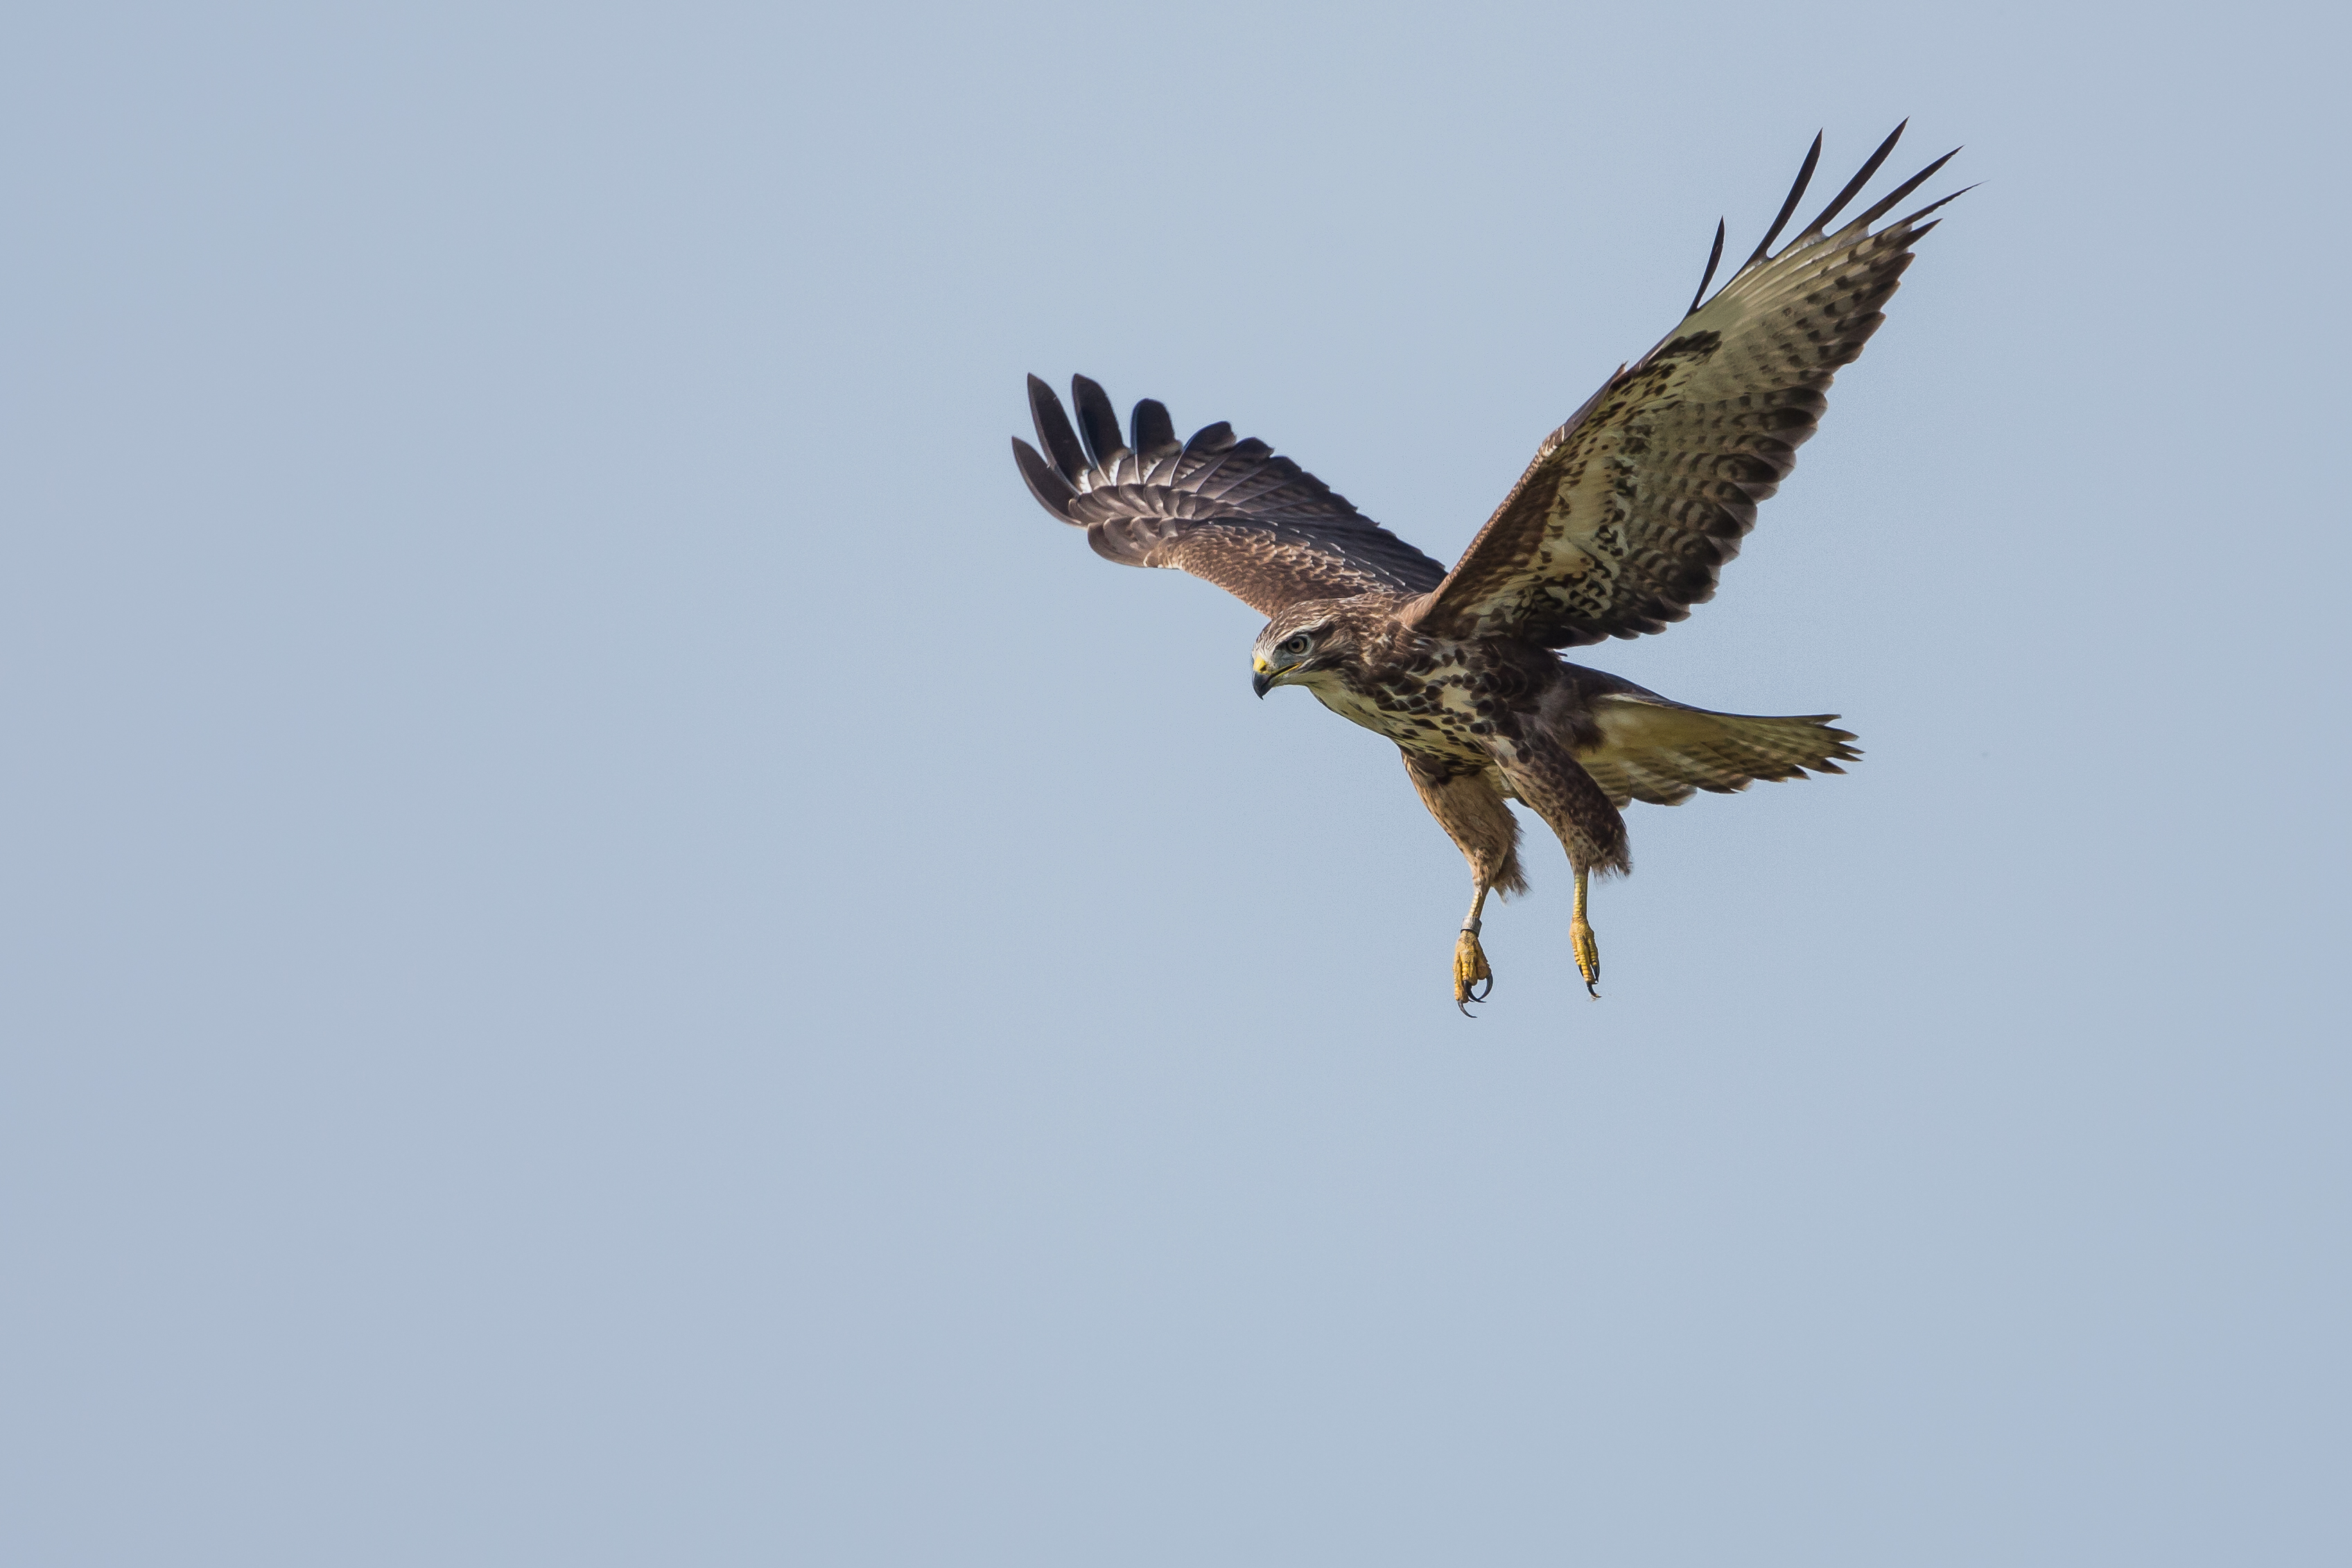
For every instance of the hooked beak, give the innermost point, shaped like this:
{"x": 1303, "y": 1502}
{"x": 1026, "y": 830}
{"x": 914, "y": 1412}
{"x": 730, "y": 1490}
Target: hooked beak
{"x": 1263, "y": 680}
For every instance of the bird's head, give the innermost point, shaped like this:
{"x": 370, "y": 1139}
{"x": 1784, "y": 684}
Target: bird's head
{"x": 1306, "y": 638}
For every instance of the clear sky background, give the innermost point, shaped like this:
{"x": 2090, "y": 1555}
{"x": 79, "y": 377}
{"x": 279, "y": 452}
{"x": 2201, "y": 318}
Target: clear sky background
{"x": 616, "y": 951}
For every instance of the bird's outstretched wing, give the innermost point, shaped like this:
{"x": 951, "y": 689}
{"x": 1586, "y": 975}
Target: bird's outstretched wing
{"x": 1255, "y": 524}
{"x": 1622, "y": 521}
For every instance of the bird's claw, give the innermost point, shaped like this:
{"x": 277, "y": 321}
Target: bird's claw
{"x": 1587, "y": 954}
{"x": 1470, "y": 971}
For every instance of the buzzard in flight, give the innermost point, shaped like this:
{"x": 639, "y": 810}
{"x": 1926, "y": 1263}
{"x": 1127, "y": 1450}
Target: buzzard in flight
{"x": 1618, "y": 526}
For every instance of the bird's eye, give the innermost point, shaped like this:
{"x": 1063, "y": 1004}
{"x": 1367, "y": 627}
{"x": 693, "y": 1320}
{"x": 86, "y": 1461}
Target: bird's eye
{"x": 1294, "y": 645}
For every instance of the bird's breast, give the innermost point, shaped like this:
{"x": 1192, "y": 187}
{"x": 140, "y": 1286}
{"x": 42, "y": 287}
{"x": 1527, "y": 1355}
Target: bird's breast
{"x": 1439, "y": 710}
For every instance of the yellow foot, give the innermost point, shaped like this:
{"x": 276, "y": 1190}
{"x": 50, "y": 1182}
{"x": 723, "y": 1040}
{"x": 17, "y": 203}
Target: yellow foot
{"x": 1470, "y": 970}
{"x": 1588, "y": 953}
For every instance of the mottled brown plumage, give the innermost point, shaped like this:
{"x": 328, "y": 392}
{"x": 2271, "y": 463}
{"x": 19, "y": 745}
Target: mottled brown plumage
{"x": 1621, "y": 522}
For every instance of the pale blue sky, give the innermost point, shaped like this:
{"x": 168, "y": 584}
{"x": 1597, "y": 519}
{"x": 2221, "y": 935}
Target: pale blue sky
{"x": 618, "y": 952}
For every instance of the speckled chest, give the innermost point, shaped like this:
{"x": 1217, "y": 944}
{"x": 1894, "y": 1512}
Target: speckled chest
{"x": 1441, "y": 701}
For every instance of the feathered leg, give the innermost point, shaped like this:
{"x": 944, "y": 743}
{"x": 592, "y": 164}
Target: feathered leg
{"x": 1472, "y": 811}
{"x": 1543, "y": 774}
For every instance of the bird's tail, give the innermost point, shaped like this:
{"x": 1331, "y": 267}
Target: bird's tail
{"x": 1661, "y": 752}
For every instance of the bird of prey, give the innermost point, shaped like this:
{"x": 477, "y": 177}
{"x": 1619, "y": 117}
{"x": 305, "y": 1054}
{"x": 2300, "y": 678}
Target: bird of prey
{"x": 1619, "y": 526}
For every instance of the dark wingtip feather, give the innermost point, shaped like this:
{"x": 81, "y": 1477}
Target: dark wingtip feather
{"x": 1053, "y": 432}
{"x": 1854, "y": 186}
{"x": 1880, "y": 208}
{"x": 1796, "y": 194}
{"x": 1912, "y": 218}
{"x": 1714, "y": 260}
{"x": 1052, "y": 490}
{"x": 1150, "y": 430}
{"x": 1097, "y": 421}
{"x": 1211, "y": 438}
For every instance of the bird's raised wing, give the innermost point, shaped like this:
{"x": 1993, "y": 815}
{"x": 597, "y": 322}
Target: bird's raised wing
{"x": 1255, "y": 524}
{"x": 1629, "y": 509}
